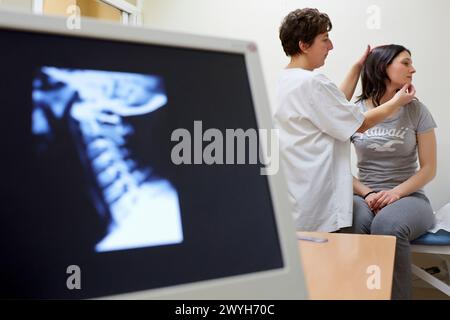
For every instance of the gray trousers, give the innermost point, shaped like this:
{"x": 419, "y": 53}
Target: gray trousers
{"x": 406, "y": 219}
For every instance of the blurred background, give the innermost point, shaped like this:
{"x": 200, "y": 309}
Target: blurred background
{"x": 421, "y": 26}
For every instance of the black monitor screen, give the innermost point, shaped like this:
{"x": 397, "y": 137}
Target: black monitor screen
{"x": 105, "y": 167}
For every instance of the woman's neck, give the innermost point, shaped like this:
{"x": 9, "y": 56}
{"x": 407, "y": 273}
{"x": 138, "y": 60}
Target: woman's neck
{"x": 390, "y": 92}
{"x": 300, "y": 61}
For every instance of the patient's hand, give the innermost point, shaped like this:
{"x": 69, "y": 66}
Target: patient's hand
{"x": 381, "y": 199}
{"x": 371, "y": 199}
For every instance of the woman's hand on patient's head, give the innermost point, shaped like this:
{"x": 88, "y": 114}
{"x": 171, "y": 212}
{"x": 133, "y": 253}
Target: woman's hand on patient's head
{"x": 364, "y": 56}
{"x": 405, "y": 95}
{"x": 382, "y": 199}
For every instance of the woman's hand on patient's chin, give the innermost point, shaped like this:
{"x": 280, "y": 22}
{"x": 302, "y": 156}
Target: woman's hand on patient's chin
{"x": 384, "y": 198}
{"x": 405, "y": 95}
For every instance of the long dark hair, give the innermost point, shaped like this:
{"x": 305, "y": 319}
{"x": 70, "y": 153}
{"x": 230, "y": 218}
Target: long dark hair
{"x": 374, "y": 72}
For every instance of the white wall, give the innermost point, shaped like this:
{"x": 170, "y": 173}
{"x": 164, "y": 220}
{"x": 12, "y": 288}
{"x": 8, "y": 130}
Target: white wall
{"x": 422, "y": 26}
{"x": 20, "y": 5}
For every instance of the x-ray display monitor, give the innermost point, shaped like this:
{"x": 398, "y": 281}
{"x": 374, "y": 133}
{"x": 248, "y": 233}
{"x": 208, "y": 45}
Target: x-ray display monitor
{"x": 92, "y": 202}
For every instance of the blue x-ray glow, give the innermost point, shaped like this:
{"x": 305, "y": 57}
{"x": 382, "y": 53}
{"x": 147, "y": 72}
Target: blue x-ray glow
{"x": 142, "y": 208}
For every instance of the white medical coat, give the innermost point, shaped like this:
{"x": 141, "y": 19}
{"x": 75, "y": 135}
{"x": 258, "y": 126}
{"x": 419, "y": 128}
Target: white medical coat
{"x": 316, "y": 121}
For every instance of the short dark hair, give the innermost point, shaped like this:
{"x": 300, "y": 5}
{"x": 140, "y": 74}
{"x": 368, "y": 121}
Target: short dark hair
{"x": 302, "y": 25}
{"x": 374, "y": 72}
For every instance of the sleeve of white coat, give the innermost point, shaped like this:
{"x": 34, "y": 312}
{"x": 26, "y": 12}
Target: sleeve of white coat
{"x": 330, "y": 111}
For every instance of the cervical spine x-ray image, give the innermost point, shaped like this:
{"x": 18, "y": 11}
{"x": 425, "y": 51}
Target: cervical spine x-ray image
{"x": 140, "y": 208}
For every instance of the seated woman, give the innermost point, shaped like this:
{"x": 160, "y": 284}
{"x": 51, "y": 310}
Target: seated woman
{"x": 389, "y": 199}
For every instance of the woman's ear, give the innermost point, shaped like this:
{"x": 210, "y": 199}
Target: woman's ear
{"x": 303, "y": 47}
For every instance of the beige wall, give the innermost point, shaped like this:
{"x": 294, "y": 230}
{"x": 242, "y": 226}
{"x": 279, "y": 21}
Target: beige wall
{"x": 57, "y": 7}
{"x": 97, "y": 9}
{"x": 422, "y": 26}
{"x": 88, "y": 8}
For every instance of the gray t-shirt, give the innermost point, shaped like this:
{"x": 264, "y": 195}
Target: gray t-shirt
{"x": 387, "y": 153}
